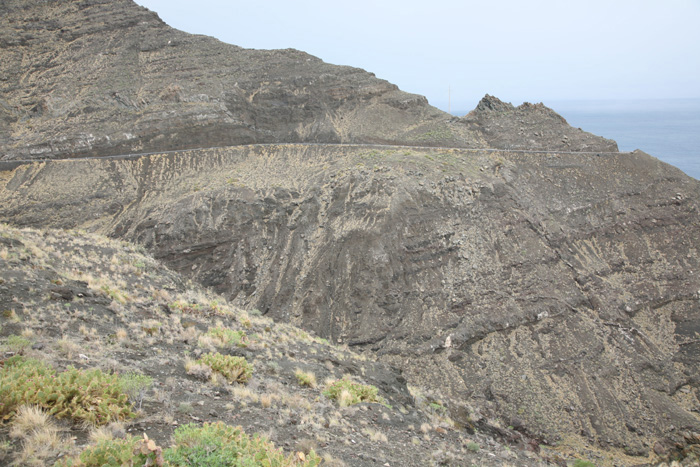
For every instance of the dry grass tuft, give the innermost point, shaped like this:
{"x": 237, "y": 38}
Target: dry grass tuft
{"x": 305, "y": 378}
{"x": 40, "y": 446}
{"x": 345, "y": 398}
{"x": 40, "y": 437}
{"x": 67, "y": 348}
{"x": 199, "y": 371}
{"x": 29, "y": 418}
{"x": 375, "y": 435}
{"x": 330, "y": 461}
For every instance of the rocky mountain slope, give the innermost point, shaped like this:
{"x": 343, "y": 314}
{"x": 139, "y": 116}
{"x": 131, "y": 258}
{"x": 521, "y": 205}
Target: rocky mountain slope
{"x": 109, "y": 77}
{"x": 540, "y": 279}
{"x": 556, "y": 293}
{"x": 101, "y": 305}
{"x": 529, "y": 127}
{"x": 100, "y": 77}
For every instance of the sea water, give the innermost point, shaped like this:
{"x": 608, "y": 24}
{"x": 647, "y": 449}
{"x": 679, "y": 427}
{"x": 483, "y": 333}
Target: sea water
{"x": 668, "y": 129}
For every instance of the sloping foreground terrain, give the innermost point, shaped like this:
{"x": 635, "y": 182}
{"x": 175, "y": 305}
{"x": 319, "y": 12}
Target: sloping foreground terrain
{"x": 75, "y": 300}
{"x": 555, "y": 293}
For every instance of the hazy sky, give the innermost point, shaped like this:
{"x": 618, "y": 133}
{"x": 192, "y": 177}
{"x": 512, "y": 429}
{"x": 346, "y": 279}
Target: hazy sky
{"x": 536, "y": 50}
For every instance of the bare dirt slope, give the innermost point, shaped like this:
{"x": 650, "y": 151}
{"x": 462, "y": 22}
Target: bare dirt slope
{"x": 557, "y": 293}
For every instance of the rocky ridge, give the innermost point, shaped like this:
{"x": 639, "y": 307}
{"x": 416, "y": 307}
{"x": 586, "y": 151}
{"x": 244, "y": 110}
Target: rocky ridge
{"x": 533, "y": 127}
{"x": 103, "y": 77}
{"x": 109, "y": 77}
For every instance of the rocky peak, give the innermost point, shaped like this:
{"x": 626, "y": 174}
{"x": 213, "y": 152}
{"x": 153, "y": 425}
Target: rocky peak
{"x": 530, "y": 127}
{"x": 490, "y": 103}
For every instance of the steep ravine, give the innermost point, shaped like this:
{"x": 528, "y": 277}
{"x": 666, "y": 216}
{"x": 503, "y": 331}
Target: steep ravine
{"x": 557, "y": 293}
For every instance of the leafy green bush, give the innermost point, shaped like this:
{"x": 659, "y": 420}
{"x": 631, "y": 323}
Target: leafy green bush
{"x": 220, "y": 445}
{"x": 16, "y": 344}
{"x": 135, "y": 386}
{"x": 228, "y": 337}
{"x": 20, "y": 382}
{"x": 348, "y": 392}
{"x": 116, "y": 453}
{"x": 82, "y": 395}
{"x": 234, "y": 369}
{"x": 582, "y": 463}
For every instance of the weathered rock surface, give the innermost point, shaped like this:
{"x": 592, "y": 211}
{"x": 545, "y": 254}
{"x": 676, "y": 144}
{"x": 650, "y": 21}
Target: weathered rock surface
{"x": 557, "y": 293}
{"x": 102, "y": 77}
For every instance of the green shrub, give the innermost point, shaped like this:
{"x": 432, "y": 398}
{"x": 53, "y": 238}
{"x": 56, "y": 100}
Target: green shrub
{"x": 228, "y": 337}
{"x": 88, "y": 396}
{"x": 581, "y": 463}
{"x": 234, "y": 369}
{"x": 473, "y": 447}
{"x": 220, "y": 445}
{"x": 116, "y": 453}
{"x": 21, "y": 380}
{"x": 347, "y": 392}
{"x": 135, "y": 386}
{"x": 16, "y": 344}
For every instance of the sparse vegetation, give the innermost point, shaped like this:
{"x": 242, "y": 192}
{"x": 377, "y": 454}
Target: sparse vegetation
{"x": 135, "y": 386}
{"x": 305, "y": 378}
{"x": 224, "y": 337}
{"x": 138, "y": 346}
{"x": 347, "y": 392}
{"x": 117, "y": 452}
{"x": 88, "y": 396}
{"x": 218, "y": 444}
{"x": 16, "y": 344}
{"x": 473, "y": 447}
{"x": 234, "y": 369}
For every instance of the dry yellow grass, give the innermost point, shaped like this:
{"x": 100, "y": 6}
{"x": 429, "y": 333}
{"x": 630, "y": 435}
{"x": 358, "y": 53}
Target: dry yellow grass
{"x": 305, "y": 378}
{"x": 39, "y": 435}
{"x": 28, "y": 419}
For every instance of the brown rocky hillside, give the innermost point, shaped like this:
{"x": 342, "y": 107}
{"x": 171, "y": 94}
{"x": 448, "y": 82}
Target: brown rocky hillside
{"x": 538, "y": 284}
{"x": 555, "y": 293}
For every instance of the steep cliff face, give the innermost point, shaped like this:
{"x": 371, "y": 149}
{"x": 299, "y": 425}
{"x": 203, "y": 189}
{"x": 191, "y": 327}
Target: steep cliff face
{"x": 557, "y": 293}
{"x": 109, "y": 77}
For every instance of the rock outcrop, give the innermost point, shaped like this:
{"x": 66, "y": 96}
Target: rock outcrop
{"x": 530, "y": 127}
